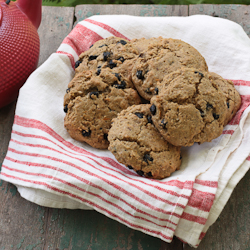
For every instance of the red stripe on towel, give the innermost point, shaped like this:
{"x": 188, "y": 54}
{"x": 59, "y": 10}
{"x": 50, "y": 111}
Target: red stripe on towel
{"x": 202, "y": 235}
{"x": 91, "y": 204}
{"x": 85, "y": 191}
{"x": 138, "y": 187}
{"x": 196, "y": 218}
{"x": 71, "y": 58}
{"x": 241, "y": 83}
{"x": 106, "y": 181}
{"x": 81, "y": 38}
{"x": 32, "y": 123}
{"x": 201, "y": 200}
{"x": 245, "y": 102}
{"x": 129, "y": 183}
{"x": 107, "y": 27}
{"x": 119, "y": 169}
{"x": 213, "y": 184}
{"x": 193, "y": 218}
{"x": 228, "y": 132}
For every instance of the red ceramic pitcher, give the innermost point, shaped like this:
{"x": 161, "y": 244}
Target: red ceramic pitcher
{"x": 19, "y": 45}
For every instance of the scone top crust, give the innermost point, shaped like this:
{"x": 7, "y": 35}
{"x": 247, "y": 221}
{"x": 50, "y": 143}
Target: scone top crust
{"x": 136, "y": 142}
{"x": 189, "y": 108}
{"x": 163, "y": 56}
{"x": 115, "y": 53}
{"x": 188, "y": 103}
{"x": 141, "y": 44}
{"x": 232, "y": 95}
{"x": 89, "y": 81}
{"x": 92, "y": 101}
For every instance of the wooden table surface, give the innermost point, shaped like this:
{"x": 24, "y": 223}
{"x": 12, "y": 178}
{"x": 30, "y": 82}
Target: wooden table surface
{"x": 24, "y": 225}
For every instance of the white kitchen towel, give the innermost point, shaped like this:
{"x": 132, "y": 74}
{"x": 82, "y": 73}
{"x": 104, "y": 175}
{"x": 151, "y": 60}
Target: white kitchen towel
{"x": 51, "y": 169}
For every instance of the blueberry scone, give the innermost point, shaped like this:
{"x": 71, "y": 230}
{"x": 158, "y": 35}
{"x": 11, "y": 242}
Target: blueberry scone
{"x": 115, "y": 53}
{"x": 136, "y": 142}
{"x": 163, "y": 56}
{"x": 190, "y": 107}
{"x": 92, "y": 101}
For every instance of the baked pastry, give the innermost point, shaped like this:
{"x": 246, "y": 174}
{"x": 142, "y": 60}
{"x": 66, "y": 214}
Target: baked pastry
{"x": 136, "y": 142}
{"x": 190, "y": 107}
{"x": 233, "y": 98}
{"x": 113, "y": 53}
{"x": 141, "y": 44}
{"x": 188, "y": 103}
{"x": 92, "y": 101}
{"x": 163, "y": 56}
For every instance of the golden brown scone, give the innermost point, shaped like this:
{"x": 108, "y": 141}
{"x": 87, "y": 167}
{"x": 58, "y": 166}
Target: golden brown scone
{"x": 163, "y": 56}
{"x": 114, "y": 53}
{"x": 136, "y": 142}
{"x": 92, "y": 101}
{"x": 232, "y": 96}
{"x": 189, "y": 108}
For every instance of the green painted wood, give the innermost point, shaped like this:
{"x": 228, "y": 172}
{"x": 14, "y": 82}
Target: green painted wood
{"x": 56, "y": 23}
{"x": 87, "y": 10}
{"x": 21, "y": 222}
{"x": 80, "y": 229}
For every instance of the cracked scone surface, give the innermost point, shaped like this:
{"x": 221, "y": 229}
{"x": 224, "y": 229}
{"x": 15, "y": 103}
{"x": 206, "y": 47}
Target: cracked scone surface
{"x": 141, "y": 44}
{"x": 92, "y": 101}
{"x": 114, "y": 53}
{"x": 163, "y": 56}
{"x": 233, "y": 98}
{"x": 89, "y": 81}
{"x": 136, "y": 142}
{"x": 189, "y": 108}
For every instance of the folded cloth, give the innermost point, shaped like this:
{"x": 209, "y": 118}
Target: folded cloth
{"x": 51, "y": 169}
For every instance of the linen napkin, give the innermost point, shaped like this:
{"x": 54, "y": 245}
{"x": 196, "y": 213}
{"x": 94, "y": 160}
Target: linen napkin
{"x": 51, "y": 169}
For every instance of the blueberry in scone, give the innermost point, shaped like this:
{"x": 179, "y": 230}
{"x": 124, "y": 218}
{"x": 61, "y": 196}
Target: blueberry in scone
{"x": 190, "y": 107}
{"x": 161, "y": 57}
{"x": 91, "y": 102}
{"x": 136, "y": 142}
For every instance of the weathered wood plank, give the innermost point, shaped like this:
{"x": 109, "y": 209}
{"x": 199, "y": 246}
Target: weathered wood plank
{"x": 237, "y": 13}
{"x": 6, "y": 121}
{"x": 80, "y": 229}
{"x": 56, "y": 24}
{"x": 87, "y": 10}
{"x": 21, "y": 222}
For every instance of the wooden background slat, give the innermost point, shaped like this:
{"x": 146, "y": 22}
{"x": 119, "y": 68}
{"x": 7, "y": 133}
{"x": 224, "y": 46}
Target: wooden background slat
{"x": 25, "y": 225}
{"x": 85, "y": 11}
{"x": 56, "y": 24}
